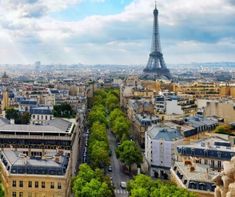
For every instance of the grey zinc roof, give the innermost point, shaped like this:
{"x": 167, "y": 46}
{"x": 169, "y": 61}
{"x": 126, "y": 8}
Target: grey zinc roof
{"x": 53, "y": 126}
{"x": 17, "y": 160}
{"x": 164, "y": 133}
{"x": 41, "y": 110}
{"x": 60, "y": 124}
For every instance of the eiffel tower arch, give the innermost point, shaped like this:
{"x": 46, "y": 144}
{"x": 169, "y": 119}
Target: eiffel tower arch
{"x": 156, "y": 66}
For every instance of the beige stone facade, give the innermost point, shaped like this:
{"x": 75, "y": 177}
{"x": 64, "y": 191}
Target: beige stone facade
{"x": 17, "y": 185}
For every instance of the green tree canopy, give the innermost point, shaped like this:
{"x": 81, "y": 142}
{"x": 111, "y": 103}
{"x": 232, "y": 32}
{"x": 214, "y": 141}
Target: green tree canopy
{"x": 112, "y": 102}
{"x": 115, "y": 114}
{"x": 97, "y": 114}
{"x": 20, "y": 118}
{"x": 98, "y": 132}
{"x": 121, "y": 127}
{"x": 225, "y": 129}
{"x": 99, "y": 155}
{"x": 11, "y": 113}
{"x": 1, "y": 191}
{"x": 129, "y": 153}
{"x": 64, "y": 110}
{"x": 145, "y": 186}
{"x": 89, "y": 183}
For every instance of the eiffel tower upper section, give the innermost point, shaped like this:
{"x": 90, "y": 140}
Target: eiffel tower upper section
{"x": 156, "y": 67}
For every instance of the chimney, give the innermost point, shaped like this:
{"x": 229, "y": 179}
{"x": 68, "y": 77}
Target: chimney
{"x": 178, "y": 128}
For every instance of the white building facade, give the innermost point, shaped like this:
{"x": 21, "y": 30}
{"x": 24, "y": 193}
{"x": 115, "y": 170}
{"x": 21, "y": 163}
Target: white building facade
{"x": 160, "y": 148}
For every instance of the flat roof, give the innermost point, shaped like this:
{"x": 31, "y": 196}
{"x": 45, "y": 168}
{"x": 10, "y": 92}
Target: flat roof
{"x": 52, "y": 126}
{"x": 212, "y": 143}
{"x": 183, "y": 127}
{"x": 202, "y": 173}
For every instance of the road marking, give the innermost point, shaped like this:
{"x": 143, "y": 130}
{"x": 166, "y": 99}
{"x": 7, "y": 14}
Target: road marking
{"x": 120, "y": 191}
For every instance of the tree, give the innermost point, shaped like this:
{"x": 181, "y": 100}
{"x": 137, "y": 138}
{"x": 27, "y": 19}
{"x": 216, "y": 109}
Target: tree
{"x": 96, "y": 188}
{"x": 20, "y": 118}
{"x": 25, "y": 118}
{"x": 11, "y": 113}
{"x": 139, "y": 192}
{"x": 99, "y": 154}
{"x": 115, "y": 114}
{"x": 98, "y": 132}
{"x": 224, "y": 129}
{"x": 97, "y": 114}
{"x": 89, "y": 183}
{"x": 129, "y": 153}
{"x": 145, "y": 186}
{"x": 112, "y": 102}
{"x": 1, "y": 191}
{"x": 63, "y": 110}
{"x": 120, "y": 127}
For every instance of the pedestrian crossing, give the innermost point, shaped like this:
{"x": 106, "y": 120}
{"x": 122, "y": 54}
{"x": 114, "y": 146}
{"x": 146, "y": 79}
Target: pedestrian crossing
{"x": 121, "y": 191}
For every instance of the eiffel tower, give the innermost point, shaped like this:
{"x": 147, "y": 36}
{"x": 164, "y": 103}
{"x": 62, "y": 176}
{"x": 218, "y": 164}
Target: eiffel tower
{"x": 156, "y": 67}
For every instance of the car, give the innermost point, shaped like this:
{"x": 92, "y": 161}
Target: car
{"x": 110, "y": 169}
{"x": 84, "y": 159}
{"x": 123, "y": 185}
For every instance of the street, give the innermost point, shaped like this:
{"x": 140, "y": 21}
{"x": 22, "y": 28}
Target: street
{"x": 117, "y": 174}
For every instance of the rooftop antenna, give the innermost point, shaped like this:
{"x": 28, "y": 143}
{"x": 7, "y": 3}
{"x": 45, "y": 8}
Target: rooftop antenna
{"x": 155, "y": 4}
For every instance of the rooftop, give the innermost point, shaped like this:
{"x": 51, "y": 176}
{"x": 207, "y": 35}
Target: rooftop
{"x": 164, "y": 133}
{"x": 41, "y": 110}
{"x": 212, "y": 143}
{"x": 53, "y": 126}
{"x": 201, "y": 173}
{"x": 213, "y": 147}
{"x": 52, "y": 163}
{"x": 197, "y": 121}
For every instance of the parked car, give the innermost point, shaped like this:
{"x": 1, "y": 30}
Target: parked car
{"x": 110, "y": 169}
{"x": 123, "y": 185}
{"x": 84, "y": 159}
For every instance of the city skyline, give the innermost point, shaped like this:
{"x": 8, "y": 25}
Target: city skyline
{"x": 115, "y": 32}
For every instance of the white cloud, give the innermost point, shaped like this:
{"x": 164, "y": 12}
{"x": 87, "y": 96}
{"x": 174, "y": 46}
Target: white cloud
{"x": 196, "y": 27}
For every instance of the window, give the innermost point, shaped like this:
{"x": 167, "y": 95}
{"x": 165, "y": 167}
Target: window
{"x": 219, "y": 164}
{"x": 30, "y": 184}
{"x": 21, "y": 194}
{"x": 212, "y": 163}
{"x": 30, "y": 194}
{"x": 59, "y": 185}
{"x": 36, "y": 184}
{"x": 14, "y": 183}
{"x": 21, "y": 184}
{"x": 43, "y": 184}
{"x": 13, "y": 194}
{"x": 52, "y": 185}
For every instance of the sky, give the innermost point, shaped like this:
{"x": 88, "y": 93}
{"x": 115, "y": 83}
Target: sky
{"x": 115, "y": 31}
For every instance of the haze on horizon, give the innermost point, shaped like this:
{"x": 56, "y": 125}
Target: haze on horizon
{"x": 115, "y": 31}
